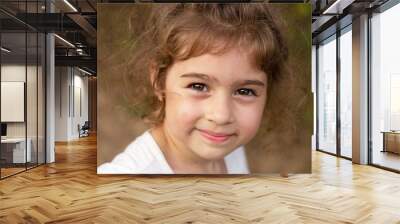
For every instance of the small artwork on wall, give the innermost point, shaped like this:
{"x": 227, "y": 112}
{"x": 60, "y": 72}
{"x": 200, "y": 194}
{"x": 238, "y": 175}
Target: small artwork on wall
{"x": 204, "y": 88}
{"x": 12, "y": 101}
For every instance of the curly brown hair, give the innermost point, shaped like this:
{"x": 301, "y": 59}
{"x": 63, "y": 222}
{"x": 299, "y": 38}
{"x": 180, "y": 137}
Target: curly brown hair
{"x": 176, "y": 32}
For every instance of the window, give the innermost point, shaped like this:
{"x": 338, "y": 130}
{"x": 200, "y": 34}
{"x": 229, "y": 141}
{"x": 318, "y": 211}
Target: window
{"x": 385, "y": 88}
{"x": 346, "y": 92}
{"x": 327, "y": 95}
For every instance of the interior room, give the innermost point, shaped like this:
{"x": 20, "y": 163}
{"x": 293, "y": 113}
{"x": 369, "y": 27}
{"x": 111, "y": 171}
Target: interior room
{"x": 49, "y": 135}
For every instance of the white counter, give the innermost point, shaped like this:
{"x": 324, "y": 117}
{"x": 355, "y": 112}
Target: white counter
{"x": 19, "y": 155}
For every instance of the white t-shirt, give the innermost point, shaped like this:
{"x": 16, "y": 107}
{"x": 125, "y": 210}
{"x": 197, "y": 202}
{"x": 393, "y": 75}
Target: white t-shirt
{"x": 144, "y": 156}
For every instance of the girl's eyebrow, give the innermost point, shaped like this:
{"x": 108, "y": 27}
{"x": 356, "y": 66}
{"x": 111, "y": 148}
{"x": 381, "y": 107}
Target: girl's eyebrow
{"x": 195, "y": 75}
{"x": 252, "y": 82}
{"x": 206, "y": 77}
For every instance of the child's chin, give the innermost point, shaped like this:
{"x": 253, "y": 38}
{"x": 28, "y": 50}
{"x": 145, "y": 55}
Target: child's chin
{"x": 213, "y": 153}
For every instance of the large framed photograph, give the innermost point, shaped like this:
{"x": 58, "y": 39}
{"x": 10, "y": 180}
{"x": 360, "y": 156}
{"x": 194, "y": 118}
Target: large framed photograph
{"x": 204, "y": 88}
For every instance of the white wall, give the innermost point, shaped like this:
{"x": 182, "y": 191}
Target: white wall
{"x": 61, "y": 103}
{"x": 71, "y": 93}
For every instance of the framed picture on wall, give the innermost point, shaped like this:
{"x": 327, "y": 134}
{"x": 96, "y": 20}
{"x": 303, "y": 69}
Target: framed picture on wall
{"x": 12, "y": 101}
{"x": 204, "y": 88}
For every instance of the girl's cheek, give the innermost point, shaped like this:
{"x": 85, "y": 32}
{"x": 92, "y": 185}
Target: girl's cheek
{"x": 190, "y": 109}
{"x": 249, "y": 119}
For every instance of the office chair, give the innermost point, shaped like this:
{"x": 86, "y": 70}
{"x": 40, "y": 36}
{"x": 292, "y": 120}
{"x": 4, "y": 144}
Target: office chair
{"x": 84, "y": 130}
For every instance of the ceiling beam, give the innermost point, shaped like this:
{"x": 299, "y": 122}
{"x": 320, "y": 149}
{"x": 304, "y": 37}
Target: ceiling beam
{"x": 83, "y": 61}
{"x": 86, "y": 26}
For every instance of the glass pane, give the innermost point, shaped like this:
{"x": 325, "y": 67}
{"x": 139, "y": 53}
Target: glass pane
{"x": 327, "y": 96}
{"x": 41, "y": 98}
{"x": 13, "y": 88}
{"x": 346, "y": 94}
{"x": 386, "y": 89}
{"x": 31, "y": 100}
{"x": 314, "y": 86}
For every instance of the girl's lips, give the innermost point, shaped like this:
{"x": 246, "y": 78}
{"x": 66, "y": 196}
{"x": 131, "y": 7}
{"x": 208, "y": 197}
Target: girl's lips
{"x": 215, "y": 137}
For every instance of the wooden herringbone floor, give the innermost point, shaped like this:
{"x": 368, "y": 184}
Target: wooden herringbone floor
{"x": 69, "y": 191}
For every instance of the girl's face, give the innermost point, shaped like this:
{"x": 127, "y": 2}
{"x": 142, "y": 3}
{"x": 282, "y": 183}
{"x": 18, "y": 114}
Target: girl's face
{"x": 214, "y": 103}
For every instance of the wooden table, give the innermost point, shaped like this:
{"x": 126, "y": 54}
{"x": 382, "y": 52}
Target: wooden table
{"x": 391, "y": 141}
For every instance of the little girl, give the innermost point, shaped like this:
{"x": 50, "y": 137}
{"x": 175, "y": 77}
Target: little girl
{"x": 209, "y": 67}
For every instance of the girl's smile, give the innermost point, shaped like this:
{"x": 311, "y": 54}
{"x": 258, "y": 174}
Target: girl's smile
{"x": 216, "y": 137}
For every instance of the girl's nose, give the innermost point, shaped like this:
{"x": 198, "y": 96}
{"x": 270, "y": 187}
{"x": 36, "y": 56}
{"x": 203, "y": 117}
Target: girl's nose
{"x": 219, "y": 109}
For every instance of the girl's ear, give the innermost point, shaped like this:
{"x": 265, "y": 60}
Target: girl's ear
{"x": 152, "y": 68}
{"x": 153, "y": 71}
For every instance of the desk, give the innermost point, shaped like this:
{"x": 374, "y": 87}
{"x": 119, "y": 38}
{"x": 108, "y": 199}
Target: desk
{"x": 391, "y": 141}
{"x": 15, "y": 148}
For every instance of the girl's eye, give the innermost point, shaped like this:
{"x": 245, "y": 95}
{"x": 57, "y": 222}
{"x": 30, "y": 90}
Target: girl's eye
{"x": 246, "y": 92}
{"x": 198, "y": 87}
